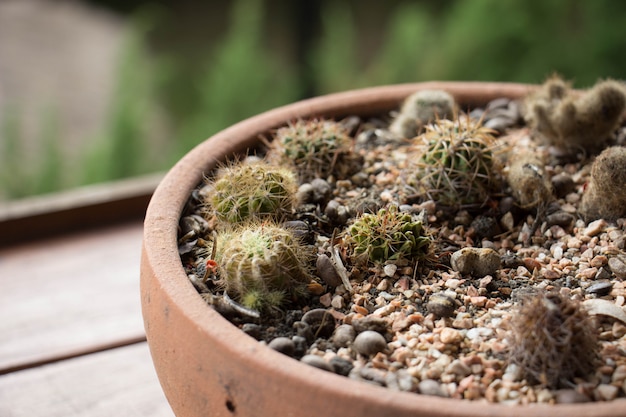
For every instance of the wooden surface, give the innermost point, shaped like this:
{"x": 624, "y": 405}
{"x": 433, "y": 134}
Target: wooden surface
{"x": 71, "y": 334}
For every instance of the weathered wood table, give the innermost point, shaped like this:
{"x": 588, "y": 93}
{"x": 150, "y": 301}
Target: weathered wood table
{"x": 72, "y": 341}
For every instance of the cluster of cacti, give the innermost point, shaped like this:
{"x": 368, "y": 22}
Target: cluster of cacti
{"x": 315, "y": 149}
{"x": 528, "y": 181}
{"x": 421, "y": 108}
{"x": 572, "y": 121}
{"x": 457, "y": 165}
{"x": 553, "y": 340}
{"x": 251, "y": 191}
{"x": 387, "y": 235}
{"x": 605, "y": 195}
{"x": 262, "y": 265}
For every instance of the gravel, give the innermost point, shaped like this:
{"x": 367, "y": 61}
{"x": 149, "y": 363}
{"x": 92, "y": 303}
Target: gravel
{"x": 441, "y": 328}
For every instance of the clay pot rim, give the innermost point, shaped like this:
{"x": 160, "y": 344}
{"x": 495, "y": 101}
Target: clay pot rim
{"x": 161, "y": 252}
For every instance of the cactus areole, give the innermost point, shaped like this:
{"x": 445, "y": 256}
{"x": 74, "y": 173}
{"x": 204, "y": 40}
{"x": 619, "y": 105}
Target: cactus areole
{"x": 209, "y": 367}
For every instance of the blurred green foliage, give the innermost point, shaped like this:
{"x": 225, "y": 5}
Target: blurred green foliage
{"x": 162, "y": 108}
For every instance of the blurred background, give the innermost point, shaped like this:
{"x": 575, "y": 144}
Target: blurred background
{"x": 97, "y": 90}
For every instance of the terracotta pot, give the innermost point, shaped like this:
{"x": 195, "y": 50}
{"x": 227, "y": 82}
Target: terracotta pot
{"x": 208, "y": 367}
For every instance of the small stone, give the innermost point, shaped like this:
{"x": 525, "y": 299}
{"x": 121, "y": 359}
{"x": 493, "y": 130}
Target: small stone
{"x": 598, "y": 261}
{"x": 341, "y": 366}
{"x": 283, "y": 345}
{"x": 441, "y": 305}
{"x": 327, "y": 271}
{"x": 317, "y": 362}
{"x": 321, "y": 321}
{"x": 619, "y": 374}
{"x": 595, "y": 227}
{"x": 607, "y": 392}
{"x": 326, "y": 299}
{"x": 459, "y": 368}
{"x": 301, "y": 346}
{"x": 321, "y": 191}
{"x": 450, "y": 336}
{"x": 563, "y": 184}
{"x": 512, "y": 373}
{"x": 602, "y": 274}
{"x": 253, "y": 330}
{"x": 618, "y": 267}
{"x": 560, "y": 218}
{"x": 376, "y": 324}
{"x": 369, "y": 343}
{"x": 569, "y": 396}
{"x": 600, "y": 288}
{"x": 336, "y": 212}
{"x": 390, "y": 270}
{"x": 485, "y": 227}
{"x": 507, "y": 221}
{"x": 400, "y": 381}
{"x": 431, "y": 387}
{"x": 344, "y": 336}
{"x": 337, "y": 302}
{"x": 477, "y": 262}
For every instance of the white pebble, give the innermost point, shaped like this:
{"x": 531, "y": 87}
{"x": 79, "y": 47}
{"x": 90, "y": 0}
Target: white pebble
{"x": 390, "y": 269}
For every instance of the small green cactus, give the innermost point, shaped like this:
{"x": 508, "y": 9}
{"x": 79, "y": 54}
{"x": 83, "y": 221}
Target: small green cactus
{"x": 572, "y": 121}
{"x": 605, "y": 195}
{"x": 457, "y": 166}
{"x": 251, "y": 191}
{"x": 316, "y": 149}
{"x": 262, "y": 265}
{"x": 388, "y": 235}
{"x": 421, "y": 108}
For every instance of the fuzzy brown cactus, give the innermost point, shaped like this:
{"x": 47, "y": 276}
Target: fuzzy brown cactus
{"x": 553, "y": 340}
{"x": 605, "y": 194}
{"x": 573, "y": 121}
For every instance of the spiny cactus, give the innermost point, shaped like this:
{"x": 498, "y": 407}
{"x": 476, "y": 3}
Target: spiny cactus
{"x": 605, "y": 195}
{"x": 421, "y": 108}
{"x": 262, "y": 265}
{"x": 571, "y": 121}
{"x": 528, "y": 181}
{"x": 387, "y": 235}
{"x": 315, "y": 149}
{"x": 251, "y": 191}
{"x": 457, "y": 166}
{"x": 553, "y": 340}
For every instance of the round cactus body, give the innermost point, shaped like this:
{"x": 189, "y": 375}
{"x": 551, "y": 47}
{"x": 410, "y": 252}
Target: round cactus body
{"x": 388, "y": 235}
{"x": 457, "y": 166}
{"x": 252, "y": 191}
{"x": 262, "y": 265}
{"x": 316, "y": 149}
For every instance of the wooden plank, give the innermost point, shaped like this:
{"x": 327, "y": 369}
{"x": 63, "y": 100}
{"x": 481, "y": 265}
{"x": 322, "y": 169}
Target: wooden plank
{"x": 118, "y": 382}
{"x": 69, "y": 296}
{"x": 84, "y": 207}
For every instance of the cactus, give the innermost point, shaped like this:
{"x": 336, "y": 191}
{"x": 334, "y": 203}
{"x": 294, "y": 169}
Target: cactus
{"x": 571, "y": 121}
{"x": 605, "y": 194}
{"x": 316, "y": 149}
{"x": 421, "y": 108}
{"x": 457, "y": 166}
{"x": 262, "y": 265}
{"x": 553, "y": 340}
{"x": 388, "y": 235}
{"x": 251, "y": 191}
{"x": 529, "y": 183}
